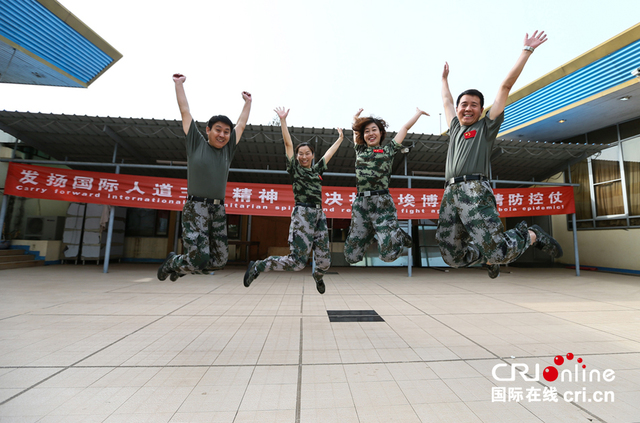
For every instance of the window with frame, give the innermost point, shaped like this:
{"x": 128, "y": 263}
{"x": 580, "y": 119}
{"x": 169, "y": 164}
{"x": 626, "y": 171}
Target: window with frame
{"x": 147, "y": 223}
{"x": 609, "y": 191}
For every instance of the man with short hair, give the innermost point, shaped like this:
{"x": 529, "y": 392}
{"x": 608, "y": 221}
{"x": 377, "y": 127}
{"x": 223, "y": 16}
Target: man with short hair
{"x": 204, "y": 222}
{"x": 469, "y": 227}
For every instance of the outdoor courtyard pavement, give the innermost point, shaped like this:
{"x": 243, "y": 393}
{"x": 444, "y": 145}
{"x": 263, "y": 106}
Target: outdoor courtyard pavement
{"x": 78, "y": 345}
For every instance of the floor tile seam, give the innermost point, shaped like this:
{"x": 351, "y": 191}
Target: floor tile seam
{"x": 300, "y": 352}
{"x": 132, "y": 394}
{"x": 252, "y": 372}
{"x": 299, "y": 381}
{"x": 449, "y": 360}
{"x": 590, "y": 327}
{"x": 32, "y": 386}
{"x": 573, "y": 403}
{"x": 566, "y": 294}
{"x": 582, "y": 298}
{"x": 502, "y": 301}
{"x": 83, "y": 359}
{"x": 447, "y": 326}
{"x": 581, "y": 355}
{"x": 342, "y": 366}
{"x": 353, "y": 403}
{"x": 195, "y": 385}
{"x": 532, "y": 310}
{"x": 194, "y": 337}
{"x": 114, "y": 290}
{"x": 12, "y": 317}
{"x": 57, "y": 305}
{"x": 93, "y": 315}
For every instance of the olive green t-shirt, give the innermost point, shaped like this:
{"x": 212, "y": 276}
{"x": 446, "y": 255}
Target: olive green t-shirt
{"x": 207, "y": 166}
{"x": 307, "y": 183}
{"x": 470, "y": 146}
{"x": 374, "y": 165}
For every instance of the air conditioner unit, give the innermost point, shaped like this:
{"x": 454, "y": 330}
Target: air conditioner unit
{"x": 44, "y": 228}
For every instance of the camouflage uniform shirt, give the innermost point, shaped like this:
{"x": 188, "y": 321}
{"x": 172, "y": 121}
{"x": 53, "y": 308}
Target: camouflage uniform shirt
{"x": 207, "y": 166}
{"x": 373, "y": 166}
{"x": 307, "y": 183}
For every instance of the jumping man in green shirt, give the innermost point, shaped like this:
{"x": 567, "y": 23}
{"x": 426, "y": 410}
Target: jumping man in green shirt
{"x": 204, "y": 222}
{"x": 469, "y": 228}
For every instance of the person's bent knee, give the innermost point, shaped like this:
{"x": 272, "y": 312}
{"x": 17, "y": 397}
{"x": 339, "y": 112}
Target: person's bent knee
{"x": 451, "y": 260}
{"x": 323, "y": 264}
{"x": 388, "y": 258}
{"x": 299, "y": 265}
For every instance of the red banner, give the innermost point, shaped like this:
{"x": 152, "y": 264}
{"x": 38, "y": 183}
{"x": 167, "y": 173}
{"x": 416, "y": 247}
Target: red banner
{"x": 255, "y": 199}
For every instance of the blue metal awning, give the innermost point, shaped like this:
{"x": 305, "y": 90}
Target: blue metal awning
{"x": 608, "y": 72}
{"x": 40, "y": 47}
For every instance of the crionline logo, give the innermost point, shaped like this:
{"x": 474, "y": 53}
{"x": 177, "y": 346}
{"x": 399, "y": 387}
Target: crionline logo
{"x": 551, "y": 373}
{"x": 509, "y": 373}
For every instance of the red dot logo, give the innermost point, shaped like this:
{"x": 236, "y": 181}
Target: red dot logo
{"x": 579, "y": 360}
{"x": 558, "y": 360}
{"x": 550, "y": 374}
{"x": 570, "y": 356}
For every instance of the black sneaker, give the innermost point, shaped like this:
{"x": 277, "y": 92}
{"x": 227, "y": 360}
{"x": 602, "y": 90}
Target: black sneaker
{"x": 174, "y": 276}
{"x": 249, "y": 275}
{"x": 407, "y": 241}
{"x": 162, "y": 270}
{"x": 319, "y": 284}
{"x": 493, "y": 270}
{"x": 545, "y": 242}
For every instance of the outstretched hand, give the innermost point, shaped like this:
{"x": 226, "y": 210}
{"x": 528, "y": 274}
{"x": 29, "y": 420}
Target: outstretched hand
{"x": 281, "y": 112}
{"x": 357, "y": 115}
{"x": 421, "y": 112}
{"x": 246, "y": 96}
{"x": 178, "y": 77}
{"x": 535, "y": 40}
{"x": 445, "y": 72}
{"x": 340, "y": 134}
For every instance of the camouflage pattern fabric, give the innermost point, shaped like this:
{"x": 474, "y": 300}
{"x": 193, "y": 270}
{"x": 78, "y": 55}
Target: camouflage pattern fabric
{"x": 470, "y": 231}
{"x": 374, "y": 165}
{"x": 204, "y": 238}
{"x": 375, "y": 218}
{"x": 308, "y": 232}
{"x": 307, "y": 183}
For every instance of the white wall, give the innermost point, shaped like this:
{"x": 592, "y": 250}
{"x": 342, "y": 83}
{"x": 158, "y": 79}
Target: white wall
{"x": 614, "y": 248}
{"x": 50, "y": 250}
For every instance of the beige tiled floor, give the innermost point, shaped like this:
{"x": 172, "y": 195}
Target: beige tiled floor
{"x": 77, "y": 345}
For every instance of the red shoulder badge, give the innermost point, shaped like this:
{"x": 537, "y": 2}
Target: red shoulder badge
{"x": 470, "y": 134}
{"x": 320, "y": 176}
{"x": 378, "y": 150}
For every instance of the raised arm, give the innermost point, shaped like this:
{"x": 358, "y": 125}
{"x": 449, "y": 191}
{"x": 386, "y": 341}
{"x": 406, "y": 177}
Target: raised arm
{"x": 244, "y": 116}
{"x": 447, "y": 98}
{"x": 355, "y": 118}
{"x": 334, "y": 147}
{"x": 405, "y": 128}
{"x": 183, "y": 104}
{"x": 530, "y": 44}
{"x": 288, "y": 144}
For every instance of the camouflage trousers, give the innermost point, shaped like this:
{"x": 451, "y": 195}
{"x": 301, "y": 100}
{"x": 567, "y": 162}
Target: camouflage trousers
{"x": 308, "y": 232}
{"x": 470, "y": 230}
{"x": 204, "y": 238}
{"x": 375, "y": 218}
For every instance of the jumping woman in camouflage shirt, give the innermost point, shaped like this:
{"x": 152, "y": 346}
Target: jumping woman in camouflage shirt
{"x": 373, "y": 213}
{"x": 308, "y": 231}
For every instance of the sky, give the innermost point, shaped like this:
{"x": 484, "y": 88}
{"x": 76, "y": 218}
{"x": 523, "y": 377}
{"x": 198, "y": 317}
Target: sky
{"x": 322, "y": 59}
